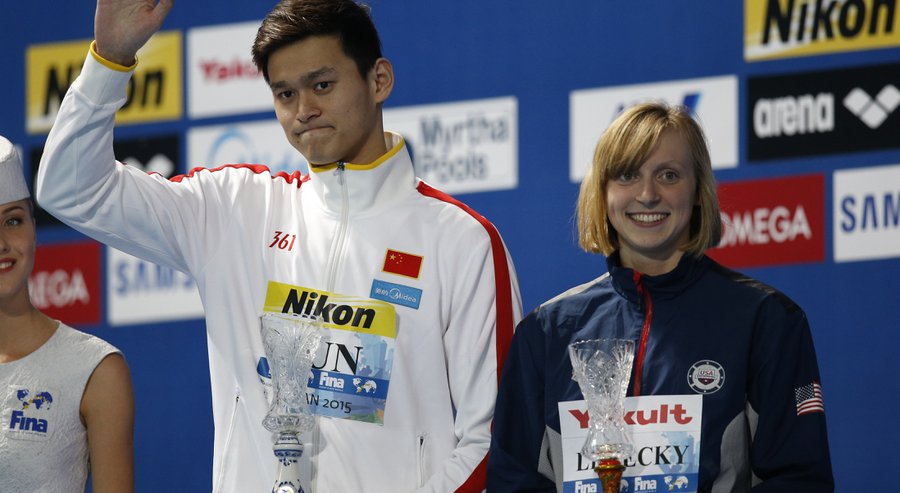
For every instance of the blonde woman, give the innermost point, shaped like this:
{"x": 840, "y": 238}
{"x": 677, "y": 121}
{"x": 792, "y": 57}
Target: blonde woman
{"x": 649, "y": 204}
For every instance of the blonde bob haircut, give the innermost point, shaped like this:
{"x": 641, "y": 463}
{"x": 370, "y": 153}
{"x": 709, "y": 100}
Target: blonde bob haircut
{"x": 623, "y": 147}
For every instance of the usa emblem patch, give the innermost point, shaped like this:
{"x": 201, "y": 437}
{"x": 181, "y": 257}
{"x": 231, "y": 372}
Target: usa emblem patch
{"x": 706, "y": 376}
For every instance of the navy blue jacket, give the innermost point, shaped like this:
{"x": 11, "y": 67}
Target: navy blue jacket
{"x": 757, "y": 340}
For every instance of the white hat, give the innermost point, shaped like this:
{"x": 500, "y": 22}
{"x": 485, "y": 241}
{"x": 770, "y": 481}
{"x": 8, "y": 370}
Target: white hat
{"x": 12, "y": 179}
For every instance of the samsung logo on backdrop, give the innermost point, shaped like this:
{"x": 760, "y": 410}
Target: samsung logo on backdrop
{"x": 139, "y": 291}
{"x": 867, "y": 213}
{"x": 135, "y": 277}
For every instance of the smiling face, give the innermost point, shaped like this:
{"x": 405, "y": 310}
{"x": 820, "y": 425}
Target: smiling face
{"x": 650, "y": 207}
{"x": 17, "y": 246}
{"x": 328, "y": 111}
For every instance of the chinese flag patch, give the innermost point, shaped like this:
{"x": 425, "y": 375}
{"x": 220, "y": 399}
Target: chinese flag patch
{"x": 404, "y": 264}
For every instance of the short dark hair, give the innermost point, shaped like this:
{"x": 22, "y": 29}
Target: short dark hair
{"x": 294, "y": 20}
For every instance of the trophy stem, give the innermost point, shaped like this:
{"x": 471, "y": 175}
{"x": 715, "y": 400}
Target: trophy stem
{"x": 288, "y": 449}
{"x": 610, "y": 473}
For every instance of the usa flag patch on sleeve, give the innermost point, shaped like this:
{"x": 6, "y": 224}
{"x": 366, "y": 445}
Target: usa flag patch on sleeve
{"x": 809, "y": 399}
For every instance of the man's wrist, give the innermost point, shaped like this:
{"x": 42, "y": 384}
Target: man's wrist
{"x": 112, "y": 64}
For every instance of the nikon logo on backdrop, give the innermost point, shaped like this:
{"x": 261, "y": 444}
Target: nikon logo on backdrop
{"x": 796, "y": 28}
{"x": 154, "y": 92}
{"x": 469, "y": 146}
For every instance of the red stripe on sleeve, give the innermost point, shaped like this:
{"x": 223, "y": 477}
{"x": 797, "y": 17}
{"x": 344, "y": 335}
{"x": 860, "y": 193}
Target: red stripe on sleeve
{"x": 477, "y": 480}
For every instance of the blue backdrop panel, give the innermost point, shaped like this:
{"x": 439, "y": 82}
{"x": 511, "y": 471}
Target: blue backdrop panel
{"x": 537, "y": 52}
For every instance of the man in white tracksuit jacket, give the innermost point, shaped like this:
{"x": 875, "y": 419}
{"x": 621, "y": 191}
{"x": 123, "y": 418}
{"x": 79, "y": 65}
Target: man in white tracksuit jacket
{"x": 417, "y": 290}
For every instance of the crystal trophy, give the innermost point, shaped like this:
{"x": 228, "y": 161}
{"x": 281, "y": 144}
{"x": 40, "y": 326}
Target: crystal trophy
{"x": 602, "y": 368}
{"x": 290, "y": 342}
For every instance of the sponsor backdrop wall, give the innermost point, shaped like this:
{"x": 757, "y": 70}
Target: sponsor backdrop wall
{"x": 502, "y": 105}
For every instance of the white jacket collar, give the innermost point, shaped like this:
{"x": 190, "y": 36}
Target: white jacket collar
{"x": 367, "y": 186}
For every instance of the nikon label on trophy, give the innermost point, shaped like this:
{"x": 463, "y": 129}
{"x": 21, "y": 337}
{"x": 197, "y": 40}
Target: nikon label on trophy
{"x": 665, "y": 431}
{"x": 351, "y": 376}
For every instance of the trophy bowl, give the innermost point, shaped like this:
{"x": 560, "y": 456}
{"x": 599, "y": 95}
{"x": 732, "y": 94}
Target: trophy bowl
{"x": 602, "y": 368}
{"x": 290, "y": 342}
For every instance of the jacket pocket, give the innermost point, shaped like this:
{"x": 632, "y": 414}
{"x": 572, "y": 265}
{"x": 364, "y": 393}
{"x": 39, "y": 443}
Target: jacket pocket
{"x": 220, "y": 474}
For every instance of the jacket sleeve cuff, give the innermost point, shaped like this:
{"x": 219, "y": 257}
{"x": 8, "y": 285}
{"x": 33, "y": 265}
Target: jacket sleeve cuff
{"x": 101, "y": 81}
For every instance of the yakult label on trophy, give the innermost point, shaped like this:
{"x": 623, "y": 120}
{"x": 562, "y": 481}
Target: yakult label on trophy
{"x": 665, "y": 431}
{"x": 351, "y": 376}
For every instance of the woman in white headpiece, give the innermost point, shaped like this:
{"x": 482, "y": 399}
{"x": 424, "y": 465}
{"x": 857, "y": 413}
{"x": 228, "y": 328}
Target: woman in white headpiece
{"x": 66, "y": 403}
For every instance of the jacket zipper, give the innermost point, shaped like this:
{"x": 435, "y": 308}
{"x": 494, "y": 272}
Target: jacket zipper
{"x": 221, "y": 475}
{"x": 333, "y": 264}
{"x": 338, "y": 245}
{"x": 645, "y": 331}
{"x": 421, "y": 461}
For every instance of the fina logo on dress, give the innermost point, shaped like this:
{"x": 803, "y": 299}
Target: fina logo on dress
{"x": 29, "y": 417}
{"x": 706, "y": 377}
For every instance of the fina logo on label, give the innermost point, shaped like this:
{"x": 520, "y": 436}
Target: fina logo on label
{"x": 397, "y": 294}
{"x": 28, "y": 419}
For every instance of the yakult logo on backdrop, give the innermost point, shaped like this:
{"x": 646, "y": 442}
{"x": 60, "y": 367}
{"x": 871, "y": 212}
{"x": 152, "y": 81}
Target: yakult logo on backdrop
{"x": 222, "y": 79}
{"x": 867, "y": 213}
{"x": 65, "y": 282}
{"x": 470, "y": 146}
{"x": 772, "y": 222}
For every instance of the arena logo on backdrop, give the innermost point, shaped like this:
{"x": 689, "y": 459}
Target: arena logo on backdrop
{"x": 772, "y": 222}
{"x": 156, "y": 154}
{"x": 795, "y": 28}
{"x": 823, "y": 112}
{"x": 139, "y": 292}
{"x": 712, "y": 100}
{"x": 222, "y": 79}
{"x": 462, "y": 147}
{"x": 65, "y": 282}
{"x": 866, "y": 213}
{"x": 154, "y": 91}
{"x": 259, "y": 142}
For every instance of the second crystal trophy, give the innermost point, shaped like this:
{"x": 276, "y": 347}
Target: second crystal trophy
{"x": 290, "y": 342}
{"x": 602, "y": 368}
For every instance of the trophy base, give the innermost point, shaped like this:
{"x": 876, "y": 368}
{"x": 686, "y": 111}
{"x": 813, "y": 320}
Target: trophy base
{"x": 288, "y": 449}
{"x": 610, "y": 473}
